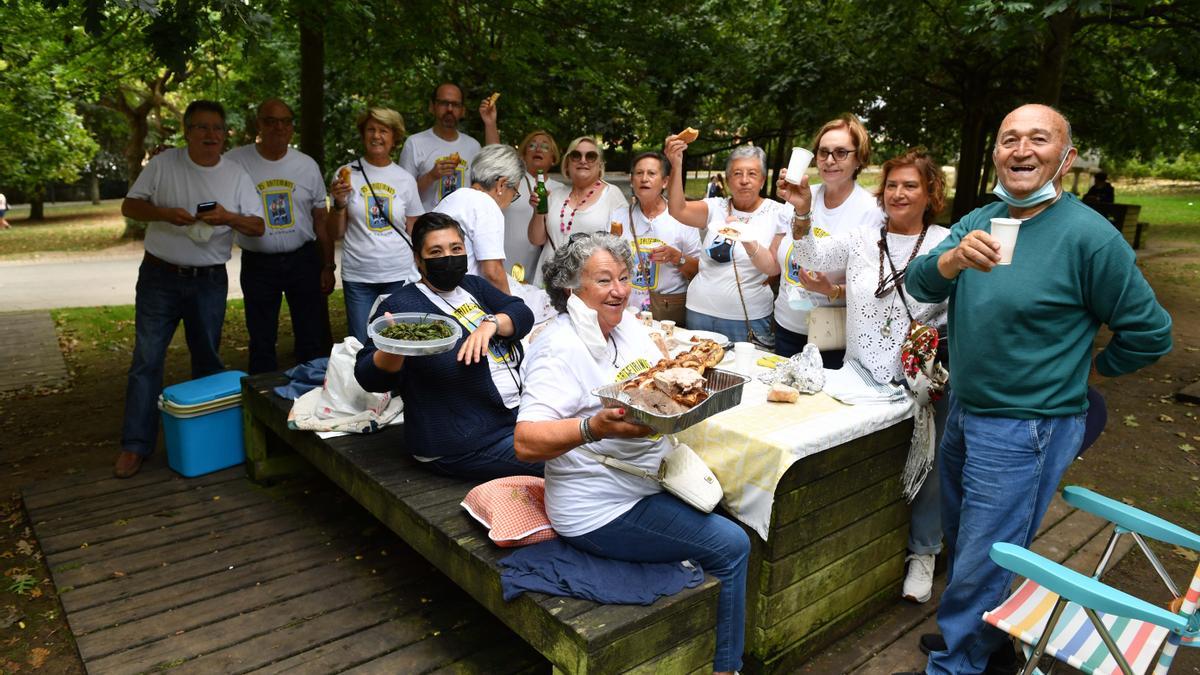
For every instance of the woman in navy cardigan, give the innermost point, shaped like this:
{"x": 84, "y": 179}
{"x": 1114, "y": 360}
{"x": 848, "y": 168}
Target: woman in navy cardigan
{"x": 460, "y": 406}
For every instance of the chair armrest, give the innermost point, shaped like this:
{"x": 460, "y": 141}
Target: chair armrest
{"x": 1081, "y": 589}
{"x": 1130, "y": 518}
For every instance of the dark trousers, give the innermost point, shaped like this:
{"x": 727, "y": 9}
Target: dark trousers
{"x": 165, "y": 296}
{"x": 266, "y": 279}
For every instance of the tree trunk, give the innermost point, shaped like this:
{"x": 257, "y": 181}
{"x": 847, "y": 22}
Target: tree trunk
{"x": 971, "y": 147}
{"x": 312, "y": 86}
{"x": 37, "y": 204}
{"x": 777, "y": 158}
{"x": 94, "y": 188}
{"x": 1060, "y": 29}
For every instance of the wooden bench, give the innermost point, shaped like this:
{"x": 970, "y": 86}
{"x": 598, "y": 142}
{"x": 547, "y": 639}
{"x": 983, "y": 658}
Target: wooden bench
{"x": 1124, "y": 217}
{"x": 674, "y": 635}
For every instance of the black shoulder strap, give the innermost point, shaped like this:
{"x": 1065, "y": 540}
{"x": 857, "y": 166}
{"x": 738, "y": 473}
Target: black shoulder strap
{"x": 402, "y": 233}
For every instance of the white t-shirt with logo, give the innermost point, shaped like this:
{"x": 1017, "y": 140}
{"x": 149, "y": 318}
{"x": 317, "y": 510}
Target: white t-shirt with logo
{"x": 465, "y": 309}
{"x": 562, "y": 221}
{"x": 860, "y": 209}
{"x": 714, "y": 290}
{"x": 172, "y": 180}
{"x": 373, "y": 252}
{"x": 662, "y": 230}
{"x": 422, "y": 150}
{"x": 582, "y": 494}
{"x": 517, "y": 249}
{"x": 481, "y": 220}
{"x": 290, "y": 188}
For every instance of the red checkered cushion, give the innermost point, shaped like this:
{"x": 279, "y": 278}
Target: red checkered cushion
{"x": 513, "y": 509}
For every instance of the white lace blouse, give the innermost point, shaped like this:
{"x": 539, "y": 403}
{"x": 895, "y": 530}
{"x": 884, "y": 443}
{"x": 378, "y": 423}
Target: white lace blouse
{"x": 875, "y": 327}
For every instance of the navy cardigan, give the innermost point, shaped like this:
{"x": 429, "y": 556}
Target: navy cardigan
{"x": 449, "y": 408}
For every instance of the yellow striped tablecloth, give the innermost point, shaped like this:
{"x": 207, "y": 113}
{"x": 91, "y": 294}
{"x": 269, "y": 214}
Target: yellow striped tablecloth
{"x": 751, "y": 446}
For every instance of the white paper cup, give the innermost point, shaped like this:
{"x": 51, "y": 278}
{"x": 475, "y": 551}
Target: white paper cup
{"x": 647, "y": 318}
{"x": 1004, "y": 230}
{"x": 798, "y": 164}
{"x": 744, "y": 356}
{"x": 668, "y": 327}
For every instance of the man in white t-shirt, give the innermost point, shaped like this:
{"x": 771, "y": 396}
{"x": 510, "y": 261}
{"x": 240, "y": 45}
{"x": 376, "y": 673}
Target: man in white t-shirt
{"x": 294, "y": 257}
{"x": 193, "y": 202}
{"x": 440, "y": 157}
{"x": 495, "y": 184}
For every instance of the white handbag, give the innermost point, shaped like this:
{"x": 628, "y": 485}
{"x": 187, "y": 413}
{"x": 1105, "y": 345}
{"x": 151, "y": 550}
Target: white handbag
{"x": 682, "y": 473}
{"x": 827, "y": 327}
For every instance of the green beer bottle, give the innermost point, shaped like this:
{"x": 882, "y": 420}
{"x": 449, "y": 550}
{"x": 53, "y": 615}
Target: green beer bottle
{"x": 543, "y": 194}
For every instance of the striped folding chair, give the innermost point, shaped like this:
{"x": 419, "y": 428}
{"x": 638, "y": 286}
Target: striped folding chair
{"x": 1087, "y": 624}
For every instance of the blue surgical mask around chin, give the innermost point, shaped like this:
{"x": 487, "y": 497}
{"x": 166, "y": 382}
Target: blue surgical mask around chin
{"x": 1044, "y": 193}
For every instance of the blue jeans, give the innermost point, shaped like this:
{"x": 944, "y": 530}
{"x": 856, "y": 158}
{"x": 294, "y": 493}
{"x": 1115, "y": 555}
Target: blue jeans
{"x": 925, "y": 523}
{"x": 495, "y": 461}
{"x": 163, "y": 299}
{"x": 660, "y": 528}
{"x": 266, "y": 278}
{"x": 998, "y": 477}
{"x": 734, "y": 329}
{"x": 359, "y": 297}
{"x": 788, "y": 343}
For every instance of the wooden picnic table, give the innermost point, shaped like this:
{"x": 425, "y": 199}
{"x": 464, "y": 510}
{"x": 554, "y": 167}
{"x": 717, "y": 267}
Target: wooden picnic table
{"x": 833, "y": 555}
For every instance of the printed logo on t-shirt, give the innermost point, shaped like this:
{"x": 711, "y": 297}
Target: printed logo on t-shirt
{"x": 645, "y": 277}
{"x": 452, "y": 182}
{"x": 634, "y": 367}
{"x": 470, "y": 315}
{"x": 378, "y": 206}
{"x": 792, "y": 274}
{"x": 277, "y": 202}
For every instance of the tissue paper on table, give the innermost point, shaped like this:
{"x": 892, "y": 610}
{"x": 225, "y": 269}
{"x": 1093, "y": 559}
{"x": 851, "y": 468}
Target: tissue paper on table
{"x": 804, "y": 371}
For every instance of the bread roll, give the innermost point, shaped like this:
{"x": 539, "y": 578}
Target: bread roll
{"x": 689, "y": 135}
{"x": 782, "y": 393}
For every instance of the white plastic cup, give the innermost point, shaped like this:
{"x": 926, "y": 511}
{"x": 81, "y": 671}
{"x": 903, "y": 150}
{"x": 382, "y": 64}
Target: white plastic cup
{"x": 1004, "y": 230}
{"x": 647, "y": 318}
{"x": 744, "y": 356}
{"x": 668, "y": 327}
{"x": 798, "y": 165}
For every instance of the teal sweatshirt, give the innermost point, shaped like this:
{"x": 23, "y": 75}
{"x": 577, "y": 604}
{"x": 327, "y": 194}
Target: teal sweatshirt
{"x": 1021, "y": 335}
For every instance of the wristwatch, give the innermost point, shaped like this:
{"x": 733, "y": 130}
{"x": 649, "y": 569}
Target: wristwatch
{"x": 681, "y": 262}
{"x": 492, "y": 318}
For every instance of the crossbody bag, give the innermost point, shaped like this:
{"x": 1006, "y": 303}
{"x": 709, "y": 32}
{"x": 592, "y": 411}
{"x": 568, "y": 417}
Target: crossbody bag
{"x": 682, "y": 473}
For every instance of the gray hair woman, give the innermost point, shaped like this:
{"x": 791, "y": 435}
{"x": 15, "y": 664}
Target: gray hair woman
{"x": 730, "y": 293}
{"x": 495, "y": 179}
{"x": 592, "y": 342}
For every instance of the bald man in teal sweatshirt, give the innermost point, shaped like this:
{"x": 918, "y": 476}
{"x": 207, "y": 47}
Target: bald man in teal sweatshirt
{"x": 1021, "y": 339}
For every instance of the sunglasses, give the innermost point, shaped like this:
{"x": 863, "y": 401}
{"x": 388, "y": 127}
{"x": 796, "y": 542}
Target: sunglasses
{"x": 590, "y": 155}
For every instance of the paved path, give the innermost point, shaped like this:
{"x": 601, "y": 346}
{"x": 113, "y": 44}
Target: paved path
{"x": 29, "y": 354}
{"x": 84, "y": 281}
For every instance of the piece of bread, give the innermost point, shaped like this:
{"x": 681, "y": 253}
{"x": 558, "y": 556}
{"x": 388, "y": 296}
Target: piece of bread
{"x": 344, "y": 174}
{"x": 783, "y": 394}
{"x": 455, "y": 158}
{"x": 688, "y": 135}
{"x": 492, "y": 98}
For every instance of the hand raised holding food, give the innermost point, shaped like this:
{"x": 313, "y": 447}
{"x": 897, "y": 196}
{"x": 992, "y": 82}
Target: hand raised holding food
{"x": 976, "y": 251}
{"x": 673, "y": 148}
{"x": 610, "y": 423}
{"x": 475, "y": 347}
{"x": 339, "y": 188}
{"x": 445, "y": 166}
{"x": 487, "y": 109}
{"x": 799, "y": 196}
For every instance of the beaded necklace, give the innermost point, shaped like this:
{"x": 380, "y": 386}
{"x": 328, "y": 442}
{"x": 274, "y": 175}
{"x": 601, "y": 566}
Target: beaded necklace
{"x": 566, "y": 227}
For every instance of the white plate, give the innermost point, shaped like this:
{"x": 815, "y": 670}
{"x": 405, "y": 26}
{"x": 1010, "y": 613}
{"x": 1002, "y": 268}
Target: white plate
{"x": 734, "y": 232}
{"x": 705, "y": 335}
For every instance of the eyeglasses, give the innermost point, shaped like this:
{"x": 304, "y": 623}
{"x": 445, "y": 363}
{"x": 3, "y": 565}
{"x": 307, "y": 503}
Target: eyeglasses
{"x": 590, "y": 155}
{"x": 539, "y": 145}
{"x": 204, "y": 128}
{"x": 448, "y": 104}
{"x": 516, "y": 194}
{"x": 277, "y": 121}
{"x": 839, "y": 154}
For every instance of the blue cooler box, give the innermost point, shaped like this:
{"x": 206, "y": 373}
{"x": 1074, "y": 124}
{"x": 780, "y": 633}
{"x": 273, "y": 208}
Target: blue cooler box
{"x": 202, "y": 421}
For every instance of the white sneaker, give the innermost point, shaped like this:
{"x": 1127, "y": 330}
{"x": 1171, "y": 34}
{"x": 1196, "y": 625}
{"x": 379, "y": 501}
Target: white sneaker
{"x": 918, "y": 583}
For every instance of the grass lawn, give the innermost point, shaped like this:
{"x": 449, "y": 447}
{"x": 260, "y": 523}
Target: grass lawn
{"x": 75, "y": 227}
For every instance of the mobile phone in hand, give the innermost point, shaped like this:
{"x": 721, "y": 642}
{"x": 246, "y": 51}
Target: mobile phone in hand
{"x": 205, "y": 206}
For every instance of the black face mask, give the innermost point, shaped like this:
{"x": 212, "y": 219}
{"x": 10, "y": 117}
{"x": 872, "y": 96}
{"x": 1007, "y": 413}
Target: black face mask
{"x": 446, "y": 272}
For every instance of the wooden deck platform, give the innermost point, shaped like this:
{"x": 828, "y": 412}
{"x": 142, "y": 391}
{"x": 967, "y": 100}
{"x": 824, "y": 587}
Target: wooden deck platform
{"x": 218, "y": 575}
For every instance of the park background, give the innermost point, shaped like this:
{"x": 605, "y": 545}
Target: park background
{"x": 88, "y": 87}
